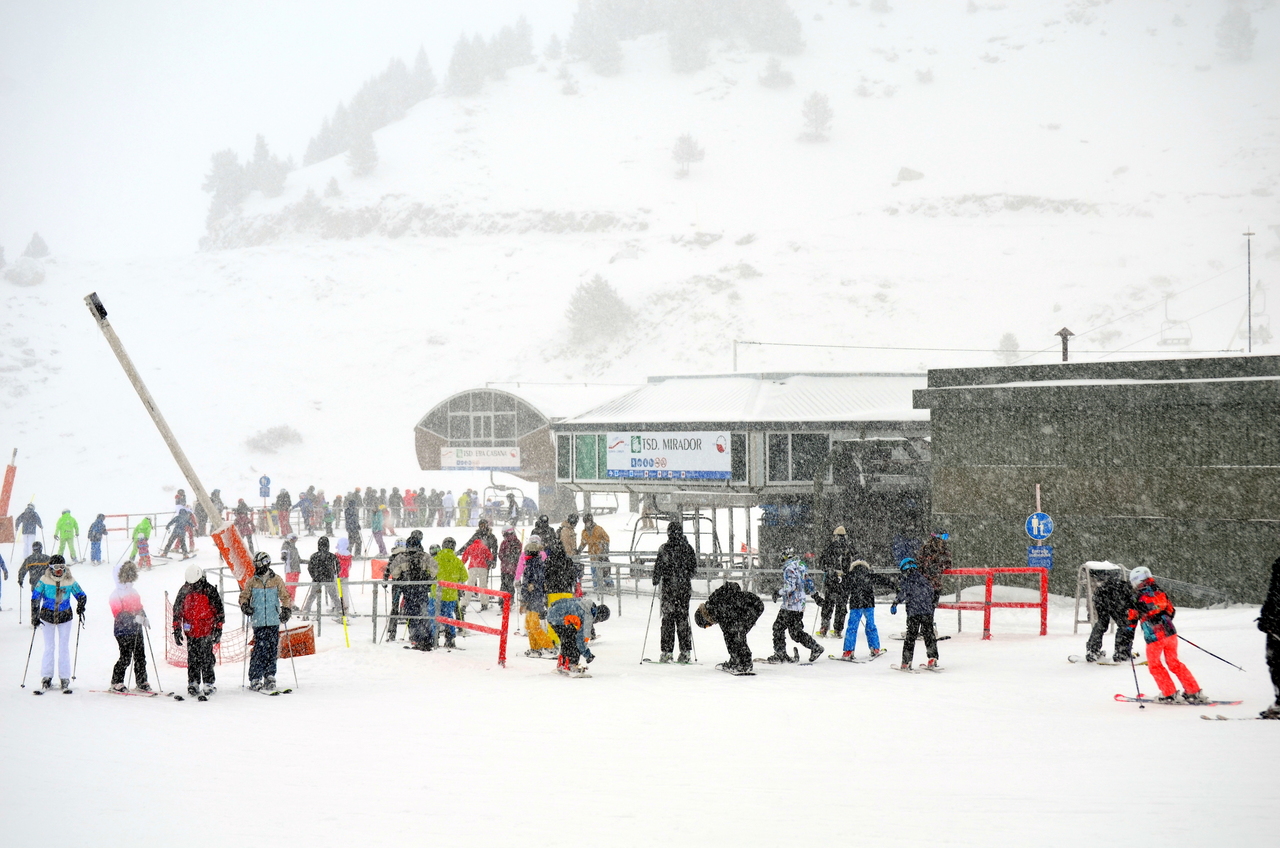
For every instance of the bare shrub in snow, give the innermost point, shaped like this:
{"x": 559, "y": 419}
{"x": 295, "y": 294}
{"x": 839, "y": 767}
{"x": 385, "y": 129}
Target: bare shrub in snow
{"x": 362, "y": 158}
{"x": 1236, "y": 33}
{"x": 1007, "y": 350}
{"x": 817, "y": 117}
{"x": 597, "y": 313}
{"x": 925, "y": 75}
{"x": 332, "y": 190}
{"x": 272, "y": 439}
{"x": 686, "y": 152}
{"x": 25, "y": 272}
{"x": 774, "y": 76}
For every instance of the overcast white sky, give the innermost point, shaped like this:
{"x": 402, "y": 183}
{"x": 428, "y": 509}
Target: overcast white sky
{"x": 109, "y": 111}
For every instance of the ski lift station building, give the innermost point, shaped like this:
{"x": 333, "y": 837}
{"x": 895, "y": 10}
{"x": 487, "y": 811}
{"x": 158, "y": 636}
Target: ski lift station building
{"x": 1172, "y": 464}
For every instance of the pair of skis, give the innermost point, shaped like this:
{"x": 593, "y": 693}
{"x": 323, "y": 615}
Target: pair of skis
{"x": 936, "y": 669}
{"x": 1129, "y": 699}
{"x": 856, "y": 660}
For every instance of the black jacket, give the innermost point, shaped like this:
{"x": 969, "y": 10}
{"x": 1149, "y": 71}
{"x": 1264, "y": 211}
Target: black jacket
{"x": 862, "y": 583}
{"x": 734, "y": 609}
{"x": 35, "y": 564}
{"x": 836, "y": 561}
{"x": 1112, "y": 598}
{"x": 676, "y": 565}
{"x": 323, "y": 565}
{"x": 562, "y": 572}
{"x": 1269, "y": 620}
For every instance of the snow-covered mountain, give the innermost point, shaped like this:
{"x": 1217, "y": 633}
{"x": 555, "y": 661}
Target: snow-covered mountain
{"x": 990, "y": 169}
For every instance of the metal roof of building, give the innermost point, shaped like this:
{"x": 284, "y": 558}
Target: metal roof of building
{"x": 760, "y": 398}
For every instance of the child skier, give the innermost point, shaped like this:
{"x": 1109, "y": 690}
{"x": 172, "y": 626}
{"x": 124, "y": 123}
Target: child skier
{"x": 51, "y": 609}
{"x": 508, "y": 559}
{"x": 862, "y": 607}
{"x": 198, "y": 616}
{"x": 97, "y": 530}
{"x": 915, "y": 589}
{"x": 736, "y": 612}
{"x": 265, "y": 601}
{"x": 533, "y": 598}
{"x": 796, "y": 586}
{"x": 126, "y": 609}
{"x": 451, "y": 570}
{"x": 1154, "y": 611}
{"x": 572, "y": 619}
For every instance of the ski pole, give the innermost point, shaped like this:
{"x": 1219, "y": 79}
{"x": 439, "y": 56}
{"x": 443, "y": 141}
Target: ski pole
{"x": 649, "y": 622}
{"x": 28, "y": 665}
{"x": 75, "y": 662}
{"x": 1136, "y": 690}
{"x": 1210, "y": 653}
{"x": 244, "y": 663}
{"x": 155, "y": 666}
{"x": 293, "y": 665}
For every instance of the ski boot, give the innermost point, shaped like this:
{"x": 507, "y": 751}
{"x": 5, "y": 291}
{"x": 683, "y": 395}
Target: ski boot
{"x": 255, "y": 685}
{"x": 683, "y": 659}
{"x": 1271, "y": 712}
{"x": 449, "y": 643}
{"x": 194, "y": 690}
{"x": 1119, "y": 659}
{"x": 821, "y": 632}
{"x": 66, "y": 684}
{"x": 562, "y": 665}
{"x": 210, "y": 689}
{"x": 664, "y": 657}
{"x": 46, "y": 684}
{"x": 848, "y": 655}
{"x": 815, "y": 652}
{"x": 119, "y": 687}
{"x": 1094, "y": 656}
{"x": 269, "y": 683}
{"x": 1168, "y": 699}
{"x": 778, "y": 657}
{"x": 931, "y": 664}
{"x": 875, "y": 652}
{"x": 145, "y": 687}
{"x": 1196, "y": 697}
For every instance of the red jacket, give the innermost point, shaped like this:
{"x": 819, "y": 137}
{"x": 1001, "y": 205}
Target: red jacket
{"x": 477, "y": 555}
{"x": 197, "y": 610}
{"x": 1153, "y": 610}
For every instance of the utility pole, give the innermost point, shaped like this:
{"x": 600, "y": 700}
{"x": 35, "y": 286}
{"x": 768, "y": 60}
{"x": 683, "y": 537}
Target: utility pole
{"x": 1249, "y": 303}
{"x": 735, "y": 356}
{"x": 1065, "y": 334}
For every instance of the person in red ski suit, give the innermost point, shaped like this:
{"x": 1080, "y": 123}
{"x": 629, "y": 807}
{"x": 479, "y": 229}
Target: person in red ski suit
{"x": 1154, "y": 611}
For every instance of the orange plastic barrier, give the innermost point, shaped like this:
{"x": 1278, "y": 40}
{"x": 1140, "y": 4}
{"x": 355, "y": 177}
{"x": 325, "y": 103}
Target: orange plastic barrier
{"x": 378, "y": 568}
{"x": 297, "y": 641}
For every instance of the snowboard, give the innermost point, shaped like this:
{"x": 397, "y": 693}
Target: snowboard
{"x": 905, "y": 668}
{"x": 734, "y": 672}
{"x": 1233, "y": 718}
{"x": 936, "y": 669}
{"x": 1132, "y": 700}
{"x": 1077, "y": 658}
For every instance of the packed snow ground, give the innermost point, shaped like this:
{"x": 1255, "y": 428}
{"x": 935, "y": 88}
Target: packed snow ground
{"x": 1011, "y": 746}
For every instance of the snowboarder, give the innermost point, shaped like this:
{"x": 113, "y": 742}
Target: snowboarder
{"x": 265, "y": 601}
{"x": 673, "y": 573}
{"x": 51, "y": 609}
{"x": 736, "y": 612}
{"x": 532, "y": 573}
{"x": 573, "y": 619}
{"x": 918, "y": 593}
{"x": 835, "y": 561}
{"x": 449, "y": 569}
{"x": 862, "y": 607}
{"x": 1269, "y": 623}
{"x": 28, "y": 522}
{"x": 595, "y": 541}
{"x": 1112, "y": 601}
{"x": 1154, "y": 611}
{"x": 66, "y": 532}
{"x": 130, "y": 618}
{"x": 796, "y": 585}
{"x": 198, "y": 616}
{"x": 35, "y": 564}
{"x": 508, "y": 559}
{"x": 322, "y": 568}
{"x": 97, "y": 530}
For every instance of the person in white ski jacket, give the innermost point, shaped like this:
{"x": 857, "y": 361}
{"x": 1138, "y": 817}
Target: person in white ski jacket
{"x": 796, "y": 586}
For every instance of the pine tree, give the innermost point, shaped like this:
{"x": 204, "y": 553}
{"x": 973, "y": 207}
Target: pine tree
{"x": 266, "y": 172}
{"x": 522, "y": 53}
{"x": 362, "y": 158}
{"x": 597, "y": 313}
{"x": 594, "y": 38}
{"x": 227, "y": 182}
{"x": 36, "y": 248}
{"x": 770, "y": 25}
{"x": 774, "y": 76}
{"x": 332, "y": 190}
{"x": 466, "y": 68}
{"x": 817, "y": 117}
{"x": 686, "y": 152}
{"x": 1007, "y": 350}
{"x": 424, "y": 80}
{"x": 553, "y": 51}
{"x": 2, "y": 262}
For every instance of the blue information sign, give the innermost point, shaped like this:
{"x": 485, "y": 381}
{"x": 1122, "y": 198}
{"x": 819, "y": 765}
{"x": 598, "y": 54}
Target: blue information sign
{"x": 264, "y": 491}
{"x": 1040, "y": 556}
{"x": 264, "y": 481}
{"x": 1039, "y": 526}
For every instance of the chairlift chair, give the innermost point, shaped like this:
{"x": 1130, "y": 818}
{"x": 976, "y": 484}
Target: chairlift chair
{"x": 1174, "y": 333}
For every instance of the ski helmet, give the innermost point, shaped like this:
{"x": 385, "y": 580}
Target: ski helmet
{"x": 449, "y": 543}
{"x": 907, "y": 563}
{"x": 57, "y": 565}
{"x": 1139, "y": 574}
{"x": 193, "y": 573}
{"x": 601, "y": 613}
{"x": 433, "y": 550}
{"x": 261, "y": 560}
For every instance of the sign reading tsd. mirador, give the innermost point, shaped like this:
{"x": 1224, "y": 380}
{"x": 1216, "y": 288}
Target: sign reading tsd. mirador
{"x": 670, "y": 456}
{"x": 480, "y": 459}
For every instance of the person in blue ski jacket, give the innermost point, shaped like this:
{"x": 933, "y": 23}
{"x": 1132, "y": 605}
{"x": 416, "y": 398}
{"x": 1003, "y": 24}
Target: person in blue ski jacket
{"x": 573, "y": 620}
{"x": 265, "y": 601}
{"x": 97, "y": 530}
{"x": 917, "y": 592}
{"x": 796, "y": 586}
{"x": 51, "y": 610}
{"x": 28, "y": 522}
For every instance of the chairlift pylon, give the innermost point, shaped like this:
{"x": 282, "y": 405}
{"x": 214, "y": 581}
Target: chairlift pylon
{"x": 1173, "y": 333}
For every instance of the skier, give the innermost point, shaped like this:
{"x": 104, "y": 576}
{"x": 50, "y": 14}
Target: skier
{"x": 1112, "y": 601}
{"x": 66, "y": 532}
{"x": 5, "y": 569}
{"x": 464, "y": 508}
{"x": 513, "y": 508}
{"x": 328, "y": 512}
{"x": 921, "y": 600}
{"x": 396, "y": 502}
{"x": 673, "y": 573}
{"x": 27, "y": 523}
{"x": 244, "y": 523}
{"x": 450, "y": 569}
{"x": 376, "y": 525}
{"x": 508, "y": 559}
{"x": 130, "y": 618}
{"x": 1269, "y": 623}
{"x": 411, "y": 565}
{"x": 435, "y": 509}
{"x": 202, "y": 520}
{"x": 934, "y": 560}
{"x": 479, "y": 554}
{"x": 573, "y": 619}
{"x": 344, "y": 569}
{"x": 97, "y": 530}
{"x": 1154, "y": 611}
{"x": 321, "y": 568}
{"x": 291, "y": 561}
{"x": 736, "y": 612}
{"x": 835, "y": 561}
{"x": 143, "y": 546}
{"x": 216, "y": 498}
{"x": 143, "y": 528}
{"x": 351, "y": 519}
{"x": 532, "y": 572}
{"x": 562, "y": 572}
{"x": 796, "y": 584}
{"x": 177, "y": 527}
{"x": 569, "y": 534}
{"x": 265, "y": 601}
{"x": 284, "y": 505}
{"x": 862, "y": 607}
{"x": 595, "y": 541}
{"x": 51, "y": 608}
{"x": 35, "y": 564}
{"x": 198, "y": 616}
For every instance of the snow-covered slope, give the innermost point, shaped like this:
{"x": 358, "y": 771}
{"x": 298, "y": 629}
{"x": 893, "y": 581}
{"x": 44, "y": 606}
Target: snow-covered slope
{"x": 1079, "y": 160}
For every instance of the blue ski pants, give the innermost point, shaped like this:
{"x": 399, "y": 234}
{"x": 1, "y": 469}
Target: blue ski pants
{"x": 851, "y": 631}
